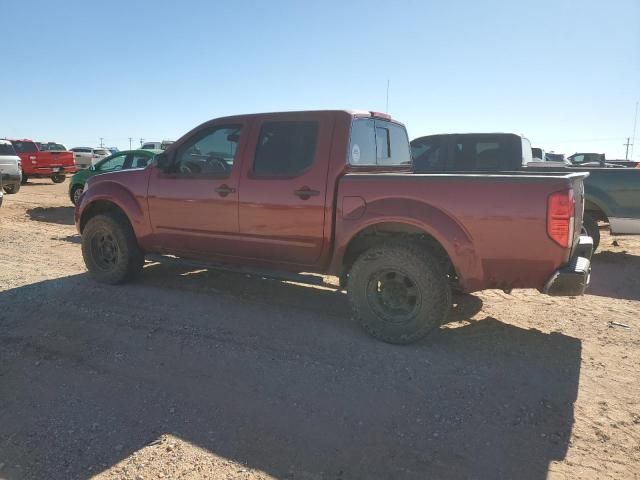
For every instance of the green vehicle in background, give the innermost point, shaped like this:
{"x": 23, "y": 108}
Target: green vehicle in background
{"x": 118, "y": 161}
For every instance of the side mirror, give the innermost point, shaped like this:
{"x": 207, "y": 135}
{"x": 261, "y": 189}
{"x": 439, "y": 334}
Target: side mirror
{"x": 162, "y": 161}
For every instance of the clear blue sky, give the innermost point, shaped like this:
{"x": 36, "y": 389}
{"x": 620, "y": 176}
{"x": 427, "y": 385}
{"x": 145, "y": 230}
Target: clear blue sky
{"x": 565, "y": 73}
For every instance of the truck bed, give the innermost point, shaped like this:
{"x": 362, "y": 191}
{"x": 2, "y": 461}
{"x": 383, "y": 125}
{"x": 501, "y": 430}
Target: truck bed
{"x": 495, "y": 225}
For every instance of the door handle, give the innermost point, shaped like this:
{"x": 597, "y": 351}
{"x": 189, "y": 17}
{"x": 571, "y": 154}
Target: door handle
{"x": 305, "y": 193}
{"x": 224, "y": 190}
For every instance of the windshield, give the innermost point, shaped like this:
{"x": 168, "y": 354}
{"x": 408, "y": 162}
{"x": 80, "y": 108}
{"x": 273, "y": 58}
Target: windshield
{"x": 24, "y": 147}
{"x": 7, "y": 149}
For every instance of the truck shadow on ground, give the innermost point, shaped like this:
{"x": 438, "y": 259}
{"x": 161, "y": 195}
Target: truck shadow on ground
{"x": 615, "y": 275}
{"x": 274, "y": 375}
{"x": 59, "y": 215}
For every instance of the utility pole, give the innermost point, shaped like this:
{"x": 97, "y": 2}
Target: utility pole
{"x": 130, "y": 140}
{"x": 635, "y": 124}
{"x": 628, "y": 144}
{"x": 101, "y": 142}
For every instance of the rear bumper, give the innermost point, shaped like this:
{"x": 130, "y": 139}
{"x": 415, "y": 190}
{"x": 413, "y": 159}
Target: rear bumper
{"x": 48, "y": 171}
{"x": 573, "y": 279}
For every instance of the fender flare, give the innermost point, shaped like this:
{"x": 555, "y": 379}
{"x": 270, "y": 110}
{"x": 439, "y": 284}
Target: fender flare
{"x": 119, "y": 196}
{"x": 453, "y": 237}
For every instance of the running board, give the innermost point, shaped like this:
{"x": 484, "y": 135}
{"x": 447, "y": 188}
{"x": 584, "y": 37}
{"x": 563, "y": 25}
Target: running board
{"x": 306, "y": 278}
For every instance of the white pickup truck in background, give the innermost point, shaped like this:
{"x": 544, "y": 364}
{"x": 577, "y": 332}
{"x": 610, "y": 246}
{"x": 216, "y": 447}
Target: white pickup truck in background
{"x": 10, "y": 168}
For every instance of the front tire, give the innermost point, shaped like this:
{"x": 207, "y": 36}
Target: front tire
{"x": 12, "y": 188}
{"x": 76, "y": 191}
{"x": 110, "y": 249}
{"x": 399, "y": 292}
{"x": 590, "y": 224}
{"x": 58, "y": 178}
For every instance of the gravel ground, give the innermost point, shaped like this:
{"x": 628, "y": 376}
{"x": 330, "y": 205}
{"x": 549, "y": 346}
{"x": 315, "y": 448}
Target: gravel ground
{"x": 196, "y": 373}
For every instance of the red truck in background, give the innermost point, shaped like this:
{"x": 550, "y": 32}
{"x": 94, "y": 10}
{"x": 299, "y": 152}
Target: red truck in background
{"x": 38, "y": 163}
{"x": 332, "y": 192}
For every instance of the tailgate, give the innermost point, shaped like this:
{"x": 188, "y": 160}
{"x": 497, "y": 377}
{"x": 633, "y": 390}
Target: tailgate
{"x": 57, "y": 159}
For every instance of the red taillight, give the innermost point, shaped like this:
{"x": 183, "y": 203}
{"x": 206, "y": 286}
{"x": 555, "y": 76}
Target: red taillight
{"x": 561, "y": 210}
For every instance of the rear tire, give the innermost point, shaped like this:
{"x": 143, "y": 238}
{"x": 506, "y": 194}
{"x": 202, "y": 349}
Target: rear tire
{"x": 590, "y": 224}
{"x": 110, "y": 249}
{"x": 12, "y": 188}
{"x": 399, "y": 292}
{"x": 25, "y": 179}
{"x": 58, "y": 178}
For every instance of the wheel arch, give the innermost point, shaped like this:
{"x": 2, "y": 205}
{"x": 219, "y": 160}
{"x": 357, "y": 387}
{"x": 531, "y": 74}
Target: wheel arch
{"x": 111, "y": 197}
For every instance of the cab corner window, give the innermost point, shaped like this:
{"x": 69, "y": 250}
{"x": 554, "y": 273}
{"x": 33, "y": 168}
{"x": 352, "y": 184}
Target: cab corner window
{"x": 285, "y": 149}
{"x": 209, "y": 154}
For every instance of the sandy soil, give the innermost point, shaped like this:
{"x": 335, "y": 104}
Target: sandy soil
{"x": 195, "y": 373}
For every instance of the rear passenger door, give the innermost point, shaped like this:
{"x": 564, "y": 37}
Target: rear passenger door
{"x": 282, "y": 195}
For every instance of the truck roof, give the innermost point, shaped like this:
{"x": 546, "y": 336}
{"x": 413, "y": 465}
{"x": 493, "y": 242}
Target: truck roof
{"x": 470, "y": 133}
{"x": 352, "y": 113}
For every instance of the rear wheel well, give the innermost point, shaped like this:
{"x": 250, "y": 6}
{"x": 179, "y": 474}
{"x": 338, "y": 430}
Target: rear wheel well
{"x": 101, "y": 207}
{"x": 595, "y": 211}
{"x": 383, "y": 232}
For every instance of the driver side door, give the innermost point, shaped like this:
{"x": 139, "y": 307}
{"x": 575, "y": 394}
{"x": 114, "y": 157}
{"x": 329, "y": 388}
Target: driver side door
{"x": 193, "y": 203}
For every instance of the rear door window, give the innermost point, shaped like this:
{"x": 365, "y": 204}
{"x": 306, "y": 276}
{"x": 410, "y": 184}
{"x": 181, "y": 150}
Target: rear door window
{"x": 285, "y": 149}
{"x": 486, "y": 152}
{"x": 429, "y": 154}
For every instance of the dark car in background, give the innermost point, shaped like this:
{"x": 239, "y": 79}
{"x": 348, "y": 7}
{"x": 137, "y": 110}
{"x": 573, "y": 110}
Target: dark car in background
{"x": 611, "y": 194}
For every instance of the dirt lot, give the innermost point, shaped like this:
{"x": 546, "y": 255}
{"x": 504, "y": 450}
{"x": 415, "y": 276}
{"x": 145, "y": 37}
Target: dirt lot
{"x": 192, "y": 373}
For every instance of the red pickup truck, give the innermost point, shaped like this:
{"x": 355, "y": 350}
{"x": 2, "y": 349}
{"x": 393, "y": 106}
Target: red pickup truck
{"x": 38, "y": 163}
{"x": 332, "y": 192}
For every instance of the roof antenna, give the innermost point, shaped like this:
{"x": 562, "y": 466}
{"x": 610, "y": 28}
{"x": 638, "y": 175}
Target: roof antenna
{"x": 386, "y": 110}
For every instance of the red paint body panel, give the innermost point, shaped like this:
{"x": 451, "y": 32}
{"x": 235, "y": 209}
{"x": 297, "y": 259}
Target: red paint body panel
{"x": 493, "y": 227}
{"x": 42, "y": 163}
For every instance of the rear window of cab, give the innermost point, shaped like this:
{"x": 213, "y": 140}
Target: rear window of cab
{"x": 378, "y": 142}
{"x": 24, "y": 147}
